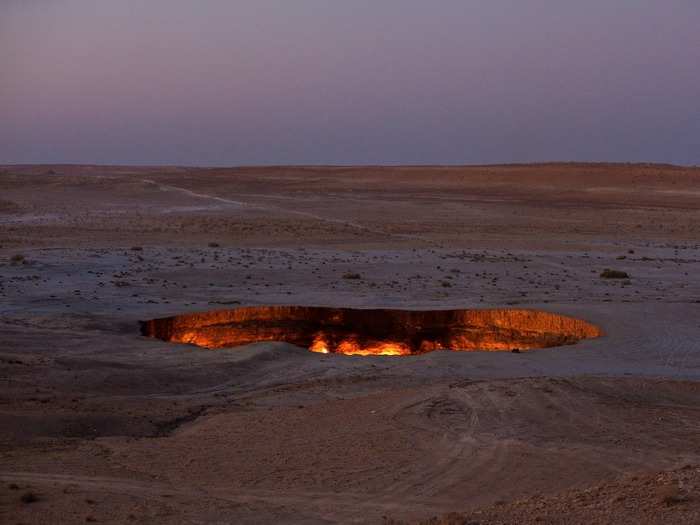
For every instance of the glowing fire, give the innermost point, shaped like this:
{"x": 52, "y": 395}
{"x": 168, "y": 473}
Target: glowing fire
{"x": 319, "y": 346}
{"x": 351, "y": 346}
{"x": 373, "y": 332}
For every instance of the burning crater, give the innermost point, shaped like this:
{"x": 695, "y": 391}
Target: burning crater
{"x": 373, "y": 332}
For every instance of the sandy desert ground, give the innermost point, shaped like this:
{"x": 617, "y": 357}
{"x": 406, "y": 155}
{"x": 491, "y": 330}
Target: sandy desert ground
{"x": 99, "y": 424}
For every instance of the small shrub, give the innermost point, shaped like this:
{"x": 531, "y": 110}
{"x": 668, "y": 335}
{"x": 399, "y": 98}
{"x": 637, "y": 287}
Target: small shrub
{"x": 614, "y": 274}
{"x": 29, "y": 497}
{"x": 351, "y": 275}
{"x": 18, "y": 258}
{"x": 214, "y": 245}
{"x": 137, "y": 248}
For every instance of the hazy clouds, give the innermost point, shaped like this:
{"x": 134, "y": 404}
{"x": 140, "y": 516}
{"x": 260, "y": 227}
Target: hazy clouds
{"x": 349, "y": 82}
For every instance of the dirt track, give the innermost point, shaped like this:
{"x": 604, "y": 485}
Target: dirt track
{"x": 103, "y": 424}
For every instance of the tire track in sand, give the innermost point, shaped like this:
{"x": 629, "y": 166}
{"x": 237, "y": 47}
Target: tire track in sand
{"x": 306, "y": 214}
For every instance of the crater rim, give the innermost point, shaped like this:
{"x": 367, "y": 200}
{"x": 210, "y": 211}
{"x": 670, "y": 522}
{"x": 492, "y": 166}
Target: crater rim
{"x": 374, "y": 331}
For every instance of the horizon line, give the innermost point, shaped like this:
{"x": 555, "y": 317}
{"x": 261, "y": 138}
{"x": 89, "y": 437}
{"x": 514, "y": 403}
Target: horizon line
{"x": 346, "y": 166}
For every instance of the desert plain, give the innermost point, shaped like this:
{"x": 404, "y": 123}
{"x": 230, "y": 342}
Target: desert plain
{"x": 101, "y": 424}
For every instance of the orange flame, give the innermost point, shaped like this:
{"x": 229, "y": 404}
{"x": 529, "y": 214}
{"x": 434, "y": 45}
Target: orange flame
{"x": 351, "y": 346}
{"x": 319, "y": 345}
{"x": 373, "y": 332}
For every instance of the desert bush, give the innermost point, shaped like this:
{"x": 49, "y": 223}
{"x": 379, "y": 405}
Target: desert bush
{"x": 18, "y": 258}
{"x": 614, "y": 274}
{"x": 351, "y": 275}
{"x": 29, "y": 497}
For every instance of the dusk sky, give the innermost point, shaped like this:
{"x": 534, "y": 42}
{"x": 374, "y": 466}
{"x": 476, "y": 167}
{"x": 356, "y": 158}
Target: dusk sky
{"x": 232, "y": 82}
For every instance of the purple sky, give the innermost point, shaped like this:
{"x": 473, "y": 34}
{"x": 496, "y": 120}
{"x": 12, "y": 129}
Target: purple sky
{"x": 226, "y": 82}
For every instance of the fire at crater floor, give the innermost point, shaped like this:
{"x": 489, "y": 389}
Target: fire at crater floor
{"x": 373, "y": 331}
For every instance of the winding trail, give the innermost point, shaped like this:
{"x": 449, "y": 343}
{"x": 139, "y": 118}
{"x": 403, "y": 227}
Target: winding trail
{"x": 242, "y": 204}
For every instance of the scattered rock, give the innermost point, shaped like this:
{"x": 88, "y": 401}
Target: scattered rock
{"x": 670, "y": 494}
{"x": 18, "y": 258}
